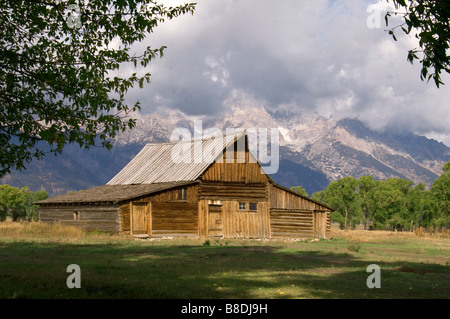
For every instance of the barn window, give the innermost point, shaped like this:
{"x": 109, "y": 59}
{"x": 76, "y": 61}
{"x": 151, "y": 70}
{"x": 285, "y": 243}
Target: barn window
{"x": 76, "y": 215}
{"x": 253, "y": 206}
{"x": 241, "y": 206}
{"x": 182, "y": 193}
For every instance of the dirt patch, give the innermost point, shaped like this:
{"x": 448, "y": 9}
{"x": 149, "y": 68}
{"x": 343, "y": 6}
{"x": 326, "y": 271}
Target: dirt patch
{"x": 418, "y": 271}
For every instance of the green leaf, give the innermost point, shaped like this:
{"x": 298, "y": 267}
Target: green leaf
{"x": 65, "y": 95}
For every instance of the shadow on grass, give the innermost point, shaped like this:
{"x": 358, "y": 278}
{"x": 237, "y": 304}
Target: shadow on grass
{"x": 30, "y": 270}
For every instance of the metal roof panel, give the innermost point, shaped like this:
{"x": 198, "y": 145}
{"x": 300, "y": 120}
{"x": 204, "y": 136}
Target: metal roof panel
{"x": 173, "y": 162}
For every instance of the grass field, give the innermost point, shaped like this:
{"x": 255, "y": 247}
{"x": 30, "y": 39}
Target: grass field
{"x": 34, "y": 259}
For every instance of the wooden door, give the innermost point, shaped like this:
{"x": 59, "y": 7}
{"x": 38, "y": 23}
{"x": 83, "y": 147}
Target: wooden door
{"x": 139, "y": 218}
{"x": 215, "y": 227}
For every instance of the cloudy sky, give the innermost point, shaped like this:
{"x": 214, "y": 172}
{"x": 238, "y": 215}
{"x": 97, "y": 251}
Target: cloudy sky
{"x": 325, "y": 56}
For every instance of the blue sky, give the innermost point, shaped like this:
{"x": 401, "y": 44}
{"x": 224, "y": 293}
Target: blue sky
{"x": 318, "y": 55}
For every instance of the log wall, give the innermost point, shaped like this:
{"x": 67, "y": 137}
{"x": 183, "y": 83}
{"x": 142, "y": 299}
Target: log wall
{"x": 168, "y": 216}
{"x": 294, "y": 216}
{"x": 89, "y": 217}
{"x": 174, "y": 219}
{"x": 233, "y": 190}
{"x": 291, "y": 223}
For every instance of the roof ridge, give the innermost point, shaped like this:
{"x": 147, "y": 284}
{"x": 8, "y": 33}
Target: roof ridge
{"x": 201, "y": 139}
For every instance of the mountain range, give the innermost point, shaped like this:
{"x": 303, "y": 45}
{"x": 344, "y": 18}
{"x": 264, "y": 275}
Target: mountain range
{"x": 314, "y": 150}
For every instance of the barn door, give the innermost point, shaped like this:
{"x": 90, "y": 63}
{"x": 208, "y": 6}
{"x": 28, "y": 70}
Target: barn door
{"x": 139, "y": 218}
{"x": 215, "y": 221}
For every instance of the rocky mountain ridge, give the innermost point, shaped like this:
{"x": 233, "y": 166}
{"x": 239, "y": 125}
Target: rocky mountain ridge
{"x": 313, "y": 150}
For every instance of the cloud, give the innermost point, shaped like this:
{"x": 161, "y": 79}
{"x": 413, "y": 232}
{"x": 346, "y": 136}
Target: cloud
{"x": 317, "y": 55}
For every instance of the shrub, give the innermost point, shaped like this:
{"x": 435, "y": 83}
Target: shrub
{"x": 354, "y": 246}
{"x": 207, "y": 243}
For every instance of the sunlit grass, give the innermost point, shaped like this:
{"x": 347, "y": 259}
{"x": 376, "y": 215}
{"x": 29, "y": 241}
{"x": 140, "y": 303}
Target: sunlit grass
{"x": 34, "y": 258}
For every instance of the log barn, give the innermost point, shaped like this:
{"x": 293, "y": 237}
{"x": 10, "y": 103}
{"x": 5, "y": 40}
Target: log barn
{"x": 169, "y": 190}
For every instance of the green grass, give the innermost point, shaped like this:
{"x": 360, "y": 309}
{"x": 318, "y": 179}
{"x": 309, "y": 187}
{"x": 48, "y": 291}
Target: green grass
{"x": 34, "y": 266}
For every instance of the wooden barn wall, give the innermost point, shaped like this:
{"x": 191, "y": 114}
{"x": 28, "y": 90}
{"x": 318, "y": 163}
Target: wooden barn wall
{"x": 244, "y": 224}
{"x": 124, "y": 212}
{"x": 291, "y": 223}
{"x": 171, "y": 195}
{"x": 294, "y": 223}
{"x": 280, "y": 198}
{"x": 174, "y": 219}
{"x": 168, "y": 216}
{"x": 297, "y": 217}
{"x": 234, "y": 223}
{"x": 239, "y": 170}
{"x": 233, "y": 190}
{"x": 89, "y": 217}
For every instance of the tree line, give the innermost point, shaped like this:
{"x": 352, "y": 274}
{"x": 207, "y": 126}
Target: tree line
{"x": 391, "y": 204}
{"x": 18, "y": 203}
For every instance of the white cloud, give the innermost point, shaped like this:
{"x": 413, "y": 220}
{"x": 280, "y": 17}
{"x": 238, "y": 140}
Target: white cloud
{"x": 319, "y": 55}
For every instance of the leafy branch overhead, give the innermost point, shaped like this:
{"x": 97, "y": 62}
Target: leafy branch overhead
{"x": 429, "y": 21}
{"x": 58, "y": 61}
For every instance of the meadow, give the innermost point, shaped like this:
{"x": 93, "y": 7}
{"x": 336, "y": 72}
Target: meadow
{"x": 34, "y": 258}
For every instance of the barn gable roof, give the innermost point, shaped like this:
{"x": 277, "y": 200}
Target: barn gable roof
{"x": 154, "y": 170}
{"x": 174, "y": 162}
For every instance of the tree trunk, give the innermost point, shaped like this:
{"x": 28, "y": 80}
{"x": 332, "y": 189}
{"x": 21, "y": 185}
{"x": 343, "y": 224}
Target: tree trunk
{"x": 345, "y": 221}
